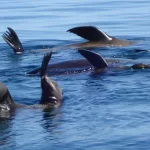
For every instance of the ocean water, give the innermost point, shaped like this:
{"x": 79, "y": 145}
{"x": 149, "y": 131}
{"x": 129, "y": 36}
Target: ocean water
{"x": 106, "y": 111}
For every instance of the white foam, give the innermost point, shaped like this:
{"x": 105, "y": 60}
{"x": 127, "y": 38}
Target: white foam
{"x": 18, "y": 52}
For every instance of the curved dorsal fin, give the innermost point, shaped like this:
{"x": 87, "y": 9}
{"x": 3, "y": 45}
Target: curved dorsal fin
{"x": 90, "y": 33}
{"x": 94, "y": 58}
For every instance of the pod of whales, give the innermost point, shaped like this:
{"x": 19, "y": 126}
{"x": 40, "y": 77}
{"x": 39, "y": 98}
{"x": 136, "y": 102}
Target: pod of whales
{"x": 77, "y": 66}
{"x": 51, "y": 96}
{"x": 95, "y": 37}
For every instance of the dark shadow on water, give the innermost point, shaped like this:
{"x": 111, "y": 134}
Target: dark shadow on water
{"x": 49, "y": 123}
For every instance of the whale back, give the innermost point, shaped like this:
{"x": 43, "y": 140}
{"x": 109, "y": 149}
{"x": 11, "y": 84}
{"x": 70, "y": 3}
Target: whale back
{"x": 100, "y": 38}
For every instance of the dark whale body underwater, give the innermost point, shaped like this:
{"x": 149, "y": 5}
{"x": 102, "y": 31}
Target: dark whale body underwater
{"x": 95, "y": 37}
{"x": 92, "y": 62}
{"x": 51, "y": 96}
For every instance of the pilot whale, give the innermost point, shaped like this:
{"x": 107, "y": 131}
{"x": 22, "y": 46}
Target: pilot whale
{"x": 95, "y": 37}
{"x": 51, "y": 96}
{"x": 93, "y": 62}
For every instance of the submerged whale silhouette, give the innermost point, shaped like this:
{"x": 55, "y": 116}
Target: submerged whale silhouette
{"x": 95, "y": 37}
{"x": 93, "y": 62}
{"x": 51, "y": 96}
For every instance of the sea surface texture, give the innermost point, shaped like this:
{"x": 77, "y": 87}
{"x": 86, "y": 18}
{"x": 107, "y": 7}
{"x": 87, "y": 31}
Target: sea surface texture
{"x": 108, "y": 111}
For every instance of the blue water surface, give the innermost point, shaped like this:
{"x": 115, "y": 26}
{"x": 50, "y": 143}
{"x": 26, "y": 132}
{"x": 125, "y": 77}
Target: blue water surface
{"x": 107, "y": 111}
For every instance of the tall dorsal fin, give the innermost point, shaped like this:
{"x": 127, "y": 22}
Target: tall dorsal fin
{"x": 95, "y": 59}
{"x": 90, "y": 33}
{"x": 45, "y": 62}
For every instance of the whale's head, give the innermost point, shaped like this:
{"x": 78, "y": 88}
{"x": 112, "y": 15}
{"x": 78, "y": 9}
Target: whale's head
{"x": 6, "y": 101}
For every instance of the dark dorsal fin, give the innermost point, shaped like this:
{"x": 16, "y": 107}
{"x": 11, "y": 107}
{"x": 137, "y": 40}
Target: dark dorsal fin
{"x": 95, "y": 59}
{"x": 90, "y": 33}
{"x": 45, "y": 62}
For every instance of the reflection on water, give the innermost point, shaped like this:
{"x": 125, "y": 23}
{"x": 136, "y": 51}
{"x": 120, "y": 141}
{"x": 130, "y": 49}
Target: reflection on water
{"x": 7, "y": 137}
{"x": 20, "y": 129}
